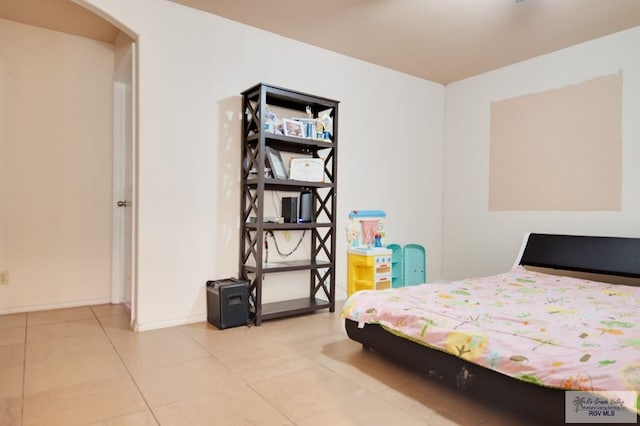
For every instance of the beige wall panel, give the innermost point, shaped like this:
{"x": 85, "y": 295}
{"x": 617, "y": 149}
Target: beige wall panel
{"x": 558, "y": 150}
{"x": 56, "y": 103}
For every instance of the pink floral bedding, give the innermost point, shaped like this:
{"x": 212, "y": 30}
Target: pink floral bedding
{"x": 550, "y": 330}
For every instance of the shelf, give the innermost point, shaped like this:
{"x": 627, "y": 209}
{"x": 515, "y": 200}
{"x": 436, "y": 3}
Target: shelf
{"x": 292, "y": 141}
{"x": 291, "y": 265}
{"x": 293, "y": 307}
{"x": 283, "y": 184}
{"x": 321, "y": 264}
{"x": 289, "y": 226}
{"x": 291, "y": 99}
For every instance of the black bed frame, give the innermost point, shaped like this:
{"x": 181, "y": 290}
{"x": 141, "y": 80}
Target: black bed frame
{"x": 611, "y": 256}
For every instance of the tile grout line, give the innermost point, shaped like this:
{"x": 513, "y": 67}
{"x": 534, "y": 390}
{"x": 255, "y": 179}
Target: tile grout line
{"x": 24, "y": 367}
{"x": 153, "y": 414}
{"x": 245, "y": 382}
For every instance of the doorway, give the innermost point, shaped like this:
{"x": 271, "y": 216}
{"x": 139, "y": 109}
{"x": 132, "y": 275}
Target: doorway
{"x": 124, "y": 131}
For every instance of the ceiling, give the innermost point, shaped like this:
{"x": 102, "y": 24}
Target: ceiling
{"x": 59, "y": 15}
{"x": 439, "y": 40}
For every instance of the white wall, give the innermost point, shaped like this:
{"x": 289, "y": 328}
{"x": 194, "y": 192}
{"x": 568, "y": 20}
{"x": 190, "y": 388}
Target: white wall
{"x": 55, "y": 168}
{"x": 477, "y": 241}
{"x": 192, "y": 68}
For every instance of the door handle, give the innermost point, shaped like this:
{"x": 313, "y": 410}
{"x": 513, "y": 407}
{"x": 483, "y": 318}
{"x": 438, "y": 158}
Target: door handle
{"x": 122, "y": 203}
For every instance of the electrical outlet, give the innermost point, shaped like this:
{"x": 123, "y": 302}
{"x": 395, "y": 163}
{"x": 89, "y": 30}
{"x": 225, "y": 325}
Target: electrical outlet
{"x": 4, "y": 277}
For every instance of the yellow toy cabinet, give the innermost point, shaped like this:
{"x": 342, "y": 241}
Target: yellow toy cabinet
{"x": 368, "y": 269}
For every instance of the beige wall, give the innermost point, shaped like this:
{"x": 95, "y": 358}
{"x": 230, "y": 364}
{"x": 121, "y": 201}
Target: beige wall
{"x": 55, "y": 168}
{"x": 477, "y": 241}
{"x": 189, "y": 133}
{"x": 560, "y": 149}
{"x": 190, "y": 80}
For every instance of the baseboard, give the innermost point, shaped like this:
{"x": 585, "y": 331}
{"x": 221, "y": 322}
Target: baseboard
{"x": 153, "y": 325}
{"x": 61, "y": 305}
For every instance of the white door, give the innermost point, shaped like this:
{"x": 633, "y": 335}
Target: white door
{"x": 123, "y": 187}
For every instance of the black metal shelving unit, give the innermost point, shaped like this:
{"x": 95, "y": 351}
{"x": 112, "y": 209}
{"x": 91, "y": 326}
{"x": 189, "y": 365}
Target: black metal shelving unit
{"x": 321, "y": 263}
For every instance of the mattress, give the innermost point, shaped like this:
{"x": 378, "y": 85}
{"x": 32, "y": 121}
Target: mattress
{"x": 550, "y": 330}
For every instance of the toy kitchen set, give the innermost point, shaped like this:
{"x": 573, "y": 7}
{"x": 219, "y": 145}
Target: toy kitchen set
{"x": 368, "y": 262}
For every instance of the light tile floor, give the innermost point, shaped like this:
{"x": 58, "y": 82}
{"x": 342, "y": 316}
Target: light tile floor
{"x": 83, "y": 366}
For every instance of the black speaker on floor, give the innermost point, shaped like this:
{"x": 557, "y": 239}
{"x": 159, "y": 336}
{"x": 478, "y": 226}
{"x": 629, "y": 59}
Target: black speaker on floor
{"x": 228, "y": 302}
{"x": 306, "y": 206}
{"x": 290, "y": 209}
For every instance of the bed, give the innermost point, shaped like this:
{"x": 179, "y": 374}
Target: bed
{"x": 523, "y": 337}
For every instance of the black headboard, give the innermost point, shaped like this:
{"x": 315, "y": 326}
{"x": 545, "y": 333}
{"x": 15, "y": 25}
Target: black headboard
{"x": 600, "y": 255}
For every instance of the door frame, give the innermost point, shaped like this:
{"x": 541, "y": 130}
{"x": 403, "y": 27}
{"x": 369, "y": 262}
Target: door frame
{"x": 124, "y": 81}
